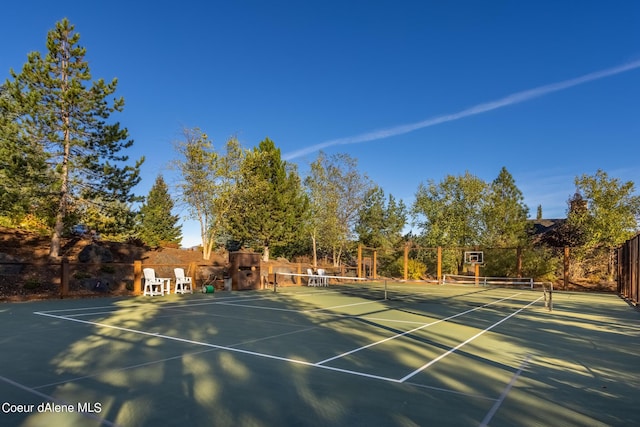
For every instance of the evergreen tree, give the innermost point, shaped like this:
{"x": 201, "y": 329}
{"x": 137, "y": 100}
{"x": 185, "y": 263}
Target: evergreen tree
{"x": 270, "y": 206}
{"x": 68, "y": 117}
{"x": 380, "y": 223}
{"x": 157, "y": 224}
{"x": 505, "y": 214}
{"x": 25, "y": 180}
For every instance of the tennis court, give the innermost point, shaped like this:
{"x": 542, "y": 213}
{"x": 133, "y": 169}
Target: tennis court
{"x": 325, "y": 356}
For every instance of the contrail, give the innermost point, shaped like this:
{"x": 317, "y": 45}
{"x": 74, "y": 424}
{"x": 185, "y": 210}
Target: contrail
{"x": 512, "y": 99}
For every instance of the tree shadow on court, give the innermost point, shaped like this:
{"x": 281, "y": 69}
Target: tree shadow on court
{"x": 260, "y": 358}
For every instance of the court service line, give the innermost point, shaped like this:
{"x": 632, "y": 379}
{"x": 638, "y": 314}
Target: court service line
{"x": 92, "y": 416}
{"x": 413, "y": 330}
{"x": 505, "y": 392}
{"x": 462, "y": 344}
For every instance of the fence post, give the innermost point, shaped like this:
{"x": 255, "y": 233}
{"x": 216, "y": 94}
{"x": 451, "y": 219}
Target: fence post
{"x": 360, "y": 260}
{"x": 375, "y": 264}
{"x": 406, "y": 261}
{"x": 193, "y": 270}
{"x": 439, "y": 268}
{"x": 64, "y": 278}
{"x": 137, "y": 277}
{"x": 566, "y": 268}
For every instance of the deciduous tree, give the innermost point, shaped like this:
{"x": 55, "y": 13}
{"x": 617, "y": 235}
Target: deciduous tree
{"x": 199, "y": 169}
{"x": 609, "y": 213}
{"x": 337, "y": 190}
{"x": 449, "y": 213}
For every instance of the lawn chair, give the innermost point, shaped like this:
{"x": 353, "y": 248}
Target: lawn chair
{"x": 183, "y": 283}
{"x": 323, "y": 279}
{"x": 155, "y": 285}
{"x": 313, "y": 279}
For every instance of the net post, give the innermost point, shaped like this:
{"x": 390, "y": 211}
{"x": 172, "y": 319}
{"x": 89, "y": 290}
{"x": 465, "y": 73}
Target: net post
{"x": 548, "y": 296}
{"x": 275, "y": 282}
{"x": 385, "y": 290}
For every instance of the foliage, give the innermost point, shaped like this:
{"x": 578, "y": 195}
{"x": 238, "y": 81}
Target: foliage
{"x": 416, "y": 270}
{"x": 156, "y": 222}
{"x": 607, "y": 217}
{"x": 24, "y": 177}
{"x": 336, "y": 191}
{"x": 612, "y": 210}
{"x": 505, "y": 214}
{"x": 199, "y": 168}
{"x": 380, "y": 223}
{"x": 450, "y": 213}
{"x": 269, "y": 203}
{"x": 65, "y": 118}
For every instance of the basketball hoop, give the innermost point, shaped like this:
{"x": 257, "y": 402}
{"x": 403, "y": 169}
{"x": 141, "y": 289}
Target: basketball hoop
{"x": 474, "y": 257}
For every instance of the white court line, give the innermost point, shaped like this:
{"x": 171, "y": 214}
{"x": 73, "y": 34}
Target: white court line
{"x": 456, "y": 348}
{"x": 167, "y": 359}
{"x": 413, "y": 330}
{"x": 340, "y": 306}
{"x": 296, "y": 361}
{"x": 220, "y": 347}
{"x": 505, "y": 392}
{"x": 89, "y": 415}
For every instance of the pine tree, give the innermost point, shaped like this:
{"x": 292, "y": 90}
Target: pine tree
{"x": 68, "y": 118}
{"x": 270, "y": 204}
{"x": 505, "y": 214}
{"x": 380, "y": 223}
{"x": 157, "y": 224}
{"x": 24, "y": 178}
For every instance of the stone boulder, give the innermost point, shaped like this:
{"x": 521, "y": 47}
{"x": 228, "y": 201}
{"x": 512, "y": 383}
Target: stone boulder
{"x": 95, "y": 254}
{"x": 12, "y": 266}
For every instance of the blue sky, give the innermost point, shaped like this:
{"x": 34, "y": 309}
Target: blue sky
{"x": 535, "y": 86}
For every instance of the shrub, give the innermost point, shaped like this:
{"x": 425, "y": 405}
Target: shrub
{"x": 416, "y": 269}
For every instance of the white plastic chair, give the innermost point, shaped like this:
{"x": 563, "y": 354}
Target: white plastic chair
{"x": 323, "y": 279}
{"x": 183, "y": 283}
{"x": 313, "y": 279}
{"x": 155, "y": 285}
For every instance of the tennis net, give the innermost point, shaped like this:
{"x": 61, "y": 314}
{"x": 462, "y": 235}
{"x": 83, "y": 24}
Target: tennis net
{"x": 412, "y": 292}
{"x": 360, "y": 286}
{"x": 456, "y": 279}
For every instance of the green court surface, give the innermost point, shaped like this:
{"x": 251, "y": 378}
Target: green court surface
{"x": 428, "y": 356}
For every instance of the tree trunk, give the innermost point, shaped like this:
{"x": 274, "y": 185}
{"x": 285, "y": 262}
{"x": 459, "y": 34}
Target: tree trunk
{"x": 315, "y": 250}
{"x": 54, "y": 249}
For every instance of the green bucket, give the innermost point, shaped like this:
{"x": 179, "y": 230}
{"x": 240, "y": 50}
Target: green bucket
{"x": 208, "y": 289}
